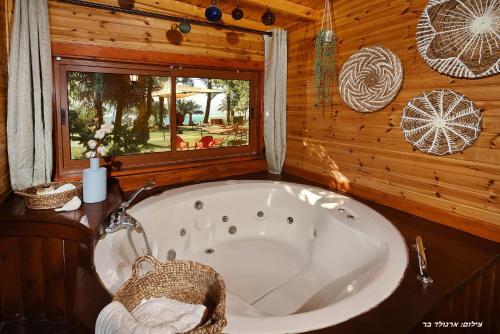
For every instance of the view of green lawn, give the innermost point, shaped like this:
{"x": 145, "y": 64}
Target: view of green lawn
{"x": 159, "y": 141}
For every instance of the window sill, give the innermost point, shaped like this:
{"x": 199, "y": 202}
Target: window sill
{"x": 176, "y": 173}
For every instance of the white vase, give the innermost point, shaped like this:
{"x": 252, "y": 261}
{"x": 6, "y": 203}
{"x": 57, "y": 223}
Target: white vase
{"x": 94, "y": 182}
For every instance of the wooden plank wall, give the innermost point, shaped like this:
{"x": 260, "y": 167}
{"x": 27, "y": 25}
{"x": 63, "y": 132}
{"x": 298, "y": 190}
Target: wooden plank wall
{"x": 80, "y": 25}
{"x": 5, "y": 7}
{"x": 367, "y": 153}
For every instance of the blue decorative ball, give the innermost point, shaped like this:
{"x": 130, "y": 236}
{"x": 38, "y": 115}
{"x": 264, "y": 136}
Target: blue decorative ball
{"x": 185, "y": 27}
{"x": 213, "y": 13}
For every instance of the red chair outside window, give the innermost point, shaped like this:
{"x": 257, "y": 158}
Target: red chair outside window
{"x": 180, "y": 144}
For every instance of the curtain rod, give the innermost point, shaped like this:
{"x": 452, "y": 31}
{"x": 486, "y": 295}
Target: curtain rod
{"x": 163, "y": 16}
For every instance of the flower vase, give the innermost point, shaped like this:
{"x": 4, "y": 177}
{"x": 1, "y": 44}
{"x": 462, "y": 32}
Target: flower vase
{"x": 94, "y": 182}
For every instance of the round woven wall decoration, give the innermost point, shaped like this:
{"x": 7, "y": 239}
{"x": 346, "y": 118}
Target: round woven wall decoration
{"x": 441, "y": 122}
{"x": 461, "y": 38}
{"x": 370, "y": 79}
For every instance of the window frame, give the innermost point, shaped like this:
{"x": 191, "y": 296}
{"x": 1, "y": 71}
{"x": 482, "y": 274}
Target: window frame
{"x": 157, "y": 161}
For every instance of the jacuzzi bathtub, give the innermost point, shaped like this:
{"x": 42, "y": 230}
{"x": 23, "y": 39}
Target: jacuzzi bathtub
{"x": 294, "y": 257}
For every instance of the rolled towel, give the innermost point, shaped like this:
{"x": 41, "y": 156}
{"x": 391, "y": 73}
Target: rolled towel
{"x": 51, "y": 190}
{"x": 153, "y": 316}
{"x": 71, "y": 205}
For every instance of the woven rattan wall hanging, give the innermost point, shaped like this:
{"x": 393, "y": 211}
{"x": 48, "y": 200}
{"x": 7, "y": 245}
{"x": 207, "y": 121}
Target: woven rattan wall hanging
{"x": 461, "y": 38}
{"x": 441, "y": 122}
{"x": 370, "y": 79}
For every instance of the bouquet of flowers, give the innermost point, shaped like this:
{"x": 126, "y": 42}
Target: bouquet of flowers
{"x": 96, "y": 147}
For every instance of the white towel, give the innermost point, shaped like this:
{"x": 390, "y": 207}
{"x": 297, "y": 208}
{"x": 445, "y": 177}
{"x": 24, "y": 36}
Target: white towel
{"x": 51, "y": 190}
{"x": 71, "y": 205}
{"x": 153, "y": 316}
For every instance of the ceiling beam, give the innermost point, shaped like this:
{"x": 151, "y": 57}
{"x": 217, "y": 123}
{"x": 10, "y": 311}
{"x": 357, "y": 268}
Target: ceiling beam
{"x": 287, "y": 7}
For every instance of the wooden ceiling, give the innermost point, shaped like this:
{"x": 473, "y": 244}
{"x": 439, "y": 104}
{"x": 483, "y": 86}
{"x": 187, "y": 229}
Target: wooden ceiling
{"x": 288, "y": 12}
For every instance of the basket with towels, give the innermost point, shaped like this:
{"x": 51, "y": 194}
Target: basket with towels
{"x": 53, "y": 195}
{"x": 176, "y": 297}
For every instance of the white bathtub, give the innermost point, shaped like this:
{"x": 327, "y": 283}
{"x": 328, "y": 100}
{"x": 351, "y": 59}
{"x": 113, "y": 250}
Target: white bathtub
{"x": 294, "y": 257}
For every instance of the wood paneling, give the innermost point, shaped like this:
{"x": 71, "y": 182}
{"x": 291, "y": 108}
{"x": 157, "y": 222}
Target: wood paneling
{"x": 80, "y": 25}
{"x": 474, "y": 305}
{"x": 5, "y": 7}
{"x": 367, "y": 153}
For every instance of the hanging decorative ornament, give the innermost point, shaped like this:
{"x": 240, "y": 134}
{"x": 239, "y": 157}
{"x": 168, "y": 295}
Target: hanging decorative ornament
{"x": 185, "y": 27}
{"x": 268, "y": 18}
{"x": 213, "y": 13}
{"x": 237, "y": 13}
{"x": 326, "y": 50}
{"x": 441, "y": 122}
{"x": 461, "y": 38}
{"x": 370, "y": 79}
{"x": 126, "y": 4}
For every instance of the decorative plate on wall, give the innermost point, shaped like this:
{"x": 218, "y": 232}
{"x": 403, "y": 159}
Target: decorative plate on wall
{"x": 461, "y": 38}
{"x": 441, "y": 122}
{"x": 370, "y": 79}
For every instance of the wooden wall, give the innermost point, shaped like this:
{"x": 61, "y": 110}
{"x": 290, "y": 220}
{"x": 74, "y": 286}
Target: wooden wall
{"x": 80, "y": 25}
{"x": 367, "y": 153}
{"x": 5, "y": 7}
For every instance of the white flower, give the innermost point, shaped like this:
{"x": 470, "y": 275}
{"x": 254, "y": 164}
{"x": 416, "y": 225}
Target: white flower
{"x": 92, "y": 144}
{"x": 99, "y": 134}
{"x": 102, "y": 150}
{"x": 90, "y": 154}
{"x": 108, "y": 127}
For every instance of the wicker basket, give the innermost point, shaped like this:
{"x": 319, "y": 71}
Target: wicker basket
{"x": 34, "y": 201}
{"x": 186, "y": 281}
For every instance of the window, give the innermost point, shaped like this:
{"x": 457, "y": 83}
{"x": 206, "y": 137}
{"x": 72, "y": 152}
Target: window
{"x": 212, "y": 114}
{"x": 129, "y": 102}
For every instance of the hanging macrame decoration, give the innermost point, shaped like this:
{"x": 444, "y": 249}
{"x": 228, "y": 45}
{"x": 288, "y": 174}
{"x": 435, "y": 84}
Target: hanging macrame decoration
{"x": 370, "y": 79}
{"x": 441, "y": 122}
{"x": 325, "y": 58}
{"x": 461, "y": 38}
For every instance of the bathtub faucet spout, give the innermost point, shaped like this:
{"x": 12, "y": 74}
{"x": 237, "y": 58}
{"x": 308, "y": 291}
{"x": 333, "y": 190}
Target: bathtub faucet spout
{"x": 120, "y": 219}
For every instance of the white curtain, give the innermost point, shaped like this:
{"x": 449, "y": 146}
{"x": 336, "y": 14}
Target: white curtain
{"x": 275, "y": 100}
{"x": 29, "y": 104}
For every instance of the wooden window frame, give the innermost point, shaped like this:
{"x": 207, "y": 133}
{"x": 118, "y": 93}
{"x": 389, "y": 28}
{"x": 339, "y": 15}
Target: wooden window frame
{"x": 158, "y": 161}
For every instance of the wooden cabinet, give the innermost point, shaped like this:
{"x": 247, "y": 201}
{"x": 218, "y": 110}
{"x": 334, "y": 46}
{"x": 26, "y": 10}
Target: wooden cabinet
{"x": 47, "y": 278}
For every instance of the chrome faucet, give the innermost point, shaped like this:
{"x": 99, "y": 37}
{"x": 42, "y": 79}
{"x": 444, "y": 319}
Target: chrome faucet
{"x": 423, "y": 274}
{"x": 119, "y": 219}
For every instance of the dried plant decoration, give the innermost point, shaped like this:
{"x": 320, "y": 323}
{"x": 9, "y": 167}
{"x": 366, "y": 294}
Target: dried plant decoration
{"x": 370, "y": 79}
{"x": 441, "y": 122}
{"x": 461, "y": 38}
{"x": 324, "y": 65}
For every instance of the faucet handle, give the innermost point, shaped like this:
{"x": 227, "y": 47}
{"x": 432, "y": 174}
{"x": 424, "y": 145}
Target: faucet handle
{"x": 423, "y": 274}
